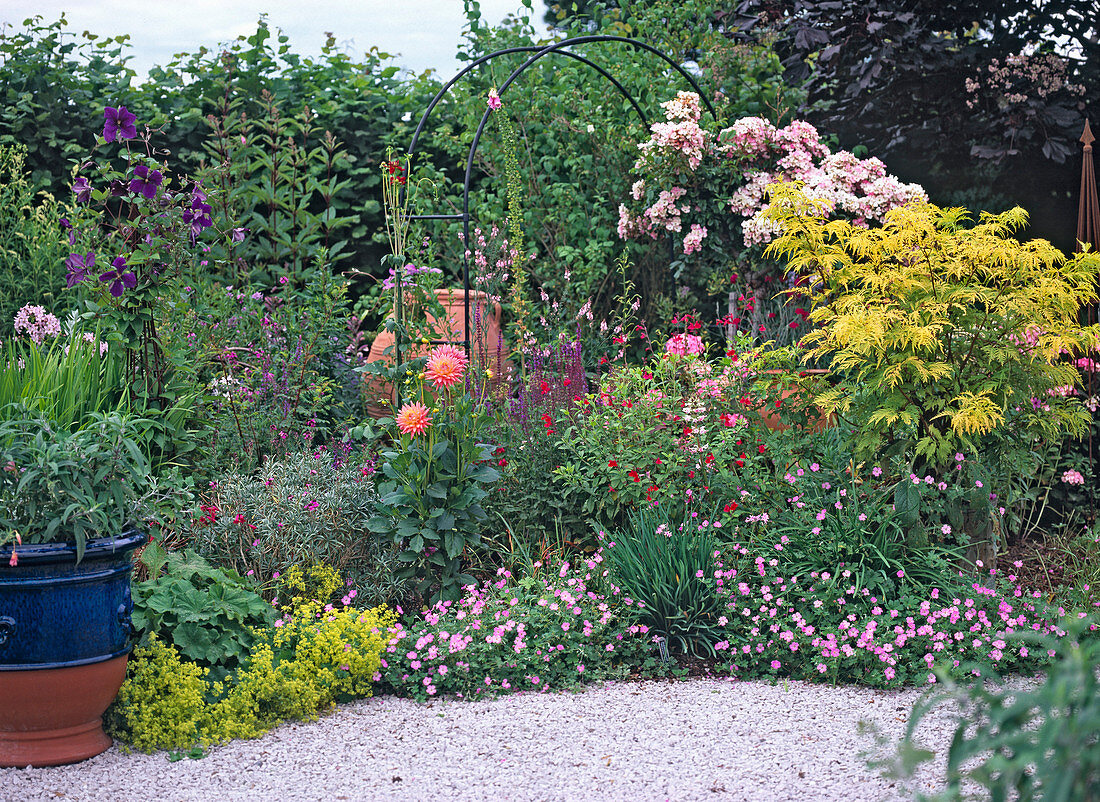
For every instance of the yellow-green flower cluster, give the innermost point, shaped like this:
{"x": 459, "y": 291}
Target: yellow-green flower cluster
{"x": 162, "y": 702}
{"x": 300, "y": 667}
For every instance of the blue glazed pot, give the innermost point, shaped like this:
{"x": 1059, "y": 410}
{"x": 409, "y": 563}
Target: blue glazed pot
{"x": 55, "y": 613}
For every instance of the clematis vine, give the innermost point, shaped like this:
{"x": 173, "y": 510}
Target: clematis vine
{"x": 145, "y": 181}
{"x": 80, "y": 266}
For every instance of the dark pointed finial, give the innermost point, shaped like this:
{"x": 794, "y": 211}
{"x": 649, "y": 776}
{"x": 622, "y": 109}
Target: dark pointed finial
{"x": 1086, "y": 136}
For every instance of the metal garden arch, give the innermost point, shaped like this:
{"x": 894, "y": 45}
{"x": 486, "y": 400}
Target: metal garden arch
{"x": 558, "y": 48}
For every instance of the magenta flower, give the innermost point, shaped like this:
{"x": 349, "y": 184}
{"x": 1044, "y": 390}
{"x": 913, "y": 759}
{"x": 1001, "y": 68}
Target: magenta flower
{"x": 494, "y": 100}
{"x": 119, "y": 123}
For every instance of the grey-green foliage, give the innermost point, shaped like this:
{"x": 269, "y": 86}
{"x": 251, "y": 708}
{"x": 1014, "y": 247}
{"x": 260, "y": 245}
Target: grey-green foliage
{"x": 32, "y": 244}
{"x": 1025, "y": 744}
{"x": 669, "y": 570}
{"x": 299, "y": 509}
{"x": 208, "y": 613}
{"x": 58, "y": 486}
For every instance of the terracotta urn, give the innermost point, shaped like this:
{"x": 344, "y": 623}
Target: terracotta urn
{"x": 769, "y": 412}
{"x": 484, "y": 320}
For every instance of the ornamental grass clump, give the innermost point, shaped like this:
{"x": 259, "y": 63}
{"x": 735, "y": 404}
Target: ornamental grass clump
{"x": 66, "y": 376}
{"x": 668, "y": 568}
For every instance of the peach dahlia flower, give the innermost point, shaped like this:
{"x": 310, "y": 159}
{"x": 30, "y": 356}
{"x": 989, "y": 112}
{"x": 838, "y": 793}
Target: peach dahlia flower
{"x": 414, "y": 419}
{"x": 445, "y": 366}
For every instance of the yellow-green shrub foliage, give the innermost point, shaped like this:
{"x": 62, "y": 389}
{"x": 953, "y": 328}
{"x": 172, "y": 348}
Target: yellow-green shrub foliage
{"x": 320, "y": 656}
{"x": 299, "y": 667}
{"x": 943, "y": 336}
{"x": 299, "y": 586}
{"x": 162, "y": 704}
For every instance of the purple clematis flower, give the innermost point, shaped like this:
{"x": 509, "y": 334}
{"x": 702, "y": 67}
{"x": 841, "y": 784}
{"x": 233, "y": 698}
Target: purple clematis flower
{"x": 198, "y": 216}
{"x": 118, "y": 278}
{"x": 80, "y": 267}
{"x": 82, "y": 189}
{"x": 145, "y": 181}
{"x": 65, "y": 224}
{"x": 119, "y": 123}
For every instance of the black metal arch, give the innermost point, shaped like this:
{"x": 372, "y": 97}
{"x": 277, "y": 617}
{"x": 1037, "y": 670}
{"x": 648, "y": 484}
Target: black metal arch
{"x": 507, "y": 51}
{"x": 556, "y": 48}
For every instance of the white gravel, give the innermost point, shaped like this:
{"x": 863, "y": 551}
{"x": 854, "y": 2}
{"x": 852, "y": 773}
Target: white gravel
{"x": 700, "y": 739}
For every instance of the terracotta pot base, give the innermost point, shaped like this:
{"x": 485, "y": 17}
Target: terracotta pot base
{"x": 53, "y": 716}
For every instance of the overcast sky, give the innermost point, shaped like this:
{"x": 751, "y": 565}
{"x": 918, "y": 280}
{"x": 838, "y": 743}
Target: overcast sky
{"x": 424, "y": 32}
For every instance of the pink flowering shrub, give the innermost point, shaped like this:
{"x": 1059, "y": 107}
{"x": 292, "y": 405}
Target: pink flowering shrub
{"x": 709, "y": 190}
{"x": 556, "y": 628}
{"x": 36, "y": 323}
{"x": 684, "y": 168}
{"x": 1024, "y": 93}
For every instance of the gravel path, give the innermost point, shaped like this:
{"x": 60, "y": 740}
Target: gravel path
{"x": 700, "y": 739}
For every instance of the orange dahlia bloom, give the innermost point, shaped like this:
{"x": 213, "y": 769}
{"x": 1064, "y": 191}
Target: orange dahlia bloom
{"x": 446, "y": 365}
{"x": 414, "y": 419}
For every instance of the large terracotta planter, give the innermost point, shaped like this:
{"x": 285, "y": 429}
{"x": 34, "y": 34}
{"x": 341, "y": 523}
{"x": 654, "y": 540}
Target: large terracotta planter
{"x": 483, "y": 315}
{"x": 64, "y": 640}
{"x": 770, "y": 414}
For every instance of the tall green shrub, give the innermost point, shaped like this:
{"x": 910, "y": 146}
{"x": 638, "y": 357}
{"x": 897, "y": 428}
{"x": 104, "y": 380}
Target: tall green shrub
{"x": 32, "y": 247}
{"x": 53, "y": 86}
